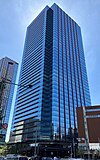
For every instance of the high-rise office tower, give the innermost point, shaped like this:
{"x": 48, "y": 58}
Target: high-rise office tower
{"x": 8, "y": 71}
{"x": 53, "y": 62}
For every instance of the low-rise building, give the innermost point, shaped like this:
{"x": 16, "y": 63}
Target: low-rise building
{"x": 89, "y": 123}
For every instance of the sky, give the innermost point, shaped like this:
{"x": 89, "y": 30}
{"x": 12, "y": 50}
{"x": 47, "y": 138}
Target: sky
{"x": 16, "y": 15}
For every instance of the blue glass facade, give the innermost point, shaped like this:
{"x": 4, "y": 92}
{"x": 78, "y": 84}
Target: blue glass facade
{"x": 53, "y": 62}
{"x": 69, "y": 84}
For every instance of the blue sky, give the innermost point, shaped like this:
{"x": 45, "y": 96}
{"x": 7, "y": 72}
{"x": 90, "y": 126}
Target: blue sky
{"x": 16, "y": 15}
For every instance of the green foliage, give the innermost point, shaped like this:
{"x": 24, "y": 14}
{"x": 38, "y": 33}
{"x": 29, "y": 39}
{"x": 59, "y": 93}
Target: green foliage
{"x": 80, "y": 153}
{"x": 3, "y": 149}
{"x": 12, "y": 149}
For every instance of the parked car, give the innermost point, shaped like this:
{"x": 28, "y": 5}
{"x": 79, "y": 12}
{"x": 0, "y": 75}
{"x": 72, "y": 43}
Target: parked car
{"x": 75, "y": 159}
{"x": 14, "y": 157}
{"x": 2, "y": 158}
{"x": 47, "y": 158}
{"x": 29, "y": 158}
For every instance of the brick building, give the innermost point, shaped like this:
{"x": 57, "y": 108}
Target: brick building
{"x": 92, "y": 117}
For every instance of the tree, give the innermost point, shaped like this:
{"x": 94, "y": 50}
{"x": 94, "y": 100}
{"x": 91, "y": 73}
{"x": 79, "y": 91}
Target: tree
{"x": 3, "y": 149}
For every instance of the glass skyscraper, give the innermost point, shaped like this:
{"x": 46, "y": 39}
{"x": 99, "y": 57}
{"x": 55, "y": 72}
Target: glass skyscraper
{"x": 53, "y": 63}
{"x": 8, "y": 71}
